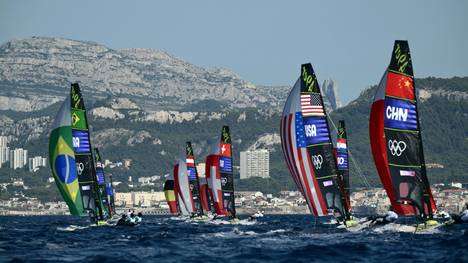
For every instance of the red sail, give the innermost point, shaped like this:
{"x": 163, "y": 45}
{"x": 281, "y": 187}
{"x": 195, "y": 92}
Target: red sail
{"x": 395, "y": 138}
{"x": 204, "y": 192}
{"x": 213, "y": 178}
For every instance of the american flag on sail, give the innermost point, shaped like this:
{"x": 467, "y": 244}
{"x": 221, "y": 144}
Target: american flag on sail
{"x": 311, "y": 105}
{"x": 295, "y": 153}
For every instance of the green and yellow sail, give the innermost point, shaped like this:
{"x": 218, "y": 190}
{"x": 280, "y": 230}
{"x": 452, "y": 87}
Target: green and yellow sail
{"x": 62, "y": 160}
{"x": 71, "y": 159}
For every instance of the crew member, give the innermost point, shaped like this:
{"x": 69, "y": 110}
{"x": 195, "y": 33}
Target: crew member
{"x": 462, "y": 217}
{"x": 389, "y": 217}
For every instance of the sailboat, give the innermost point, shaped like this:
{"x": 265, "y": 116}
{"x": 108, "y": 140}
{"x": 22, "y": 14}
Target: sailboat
{"x": 71, "y": 159}
{"x": 308, "y": 149}
{"x": 395, "y": 136}
{"x": 105, "y": 186}
{"x": 220, "y": 177}
{"x": 343, "y": 170}
{"x": 194, "y": 184}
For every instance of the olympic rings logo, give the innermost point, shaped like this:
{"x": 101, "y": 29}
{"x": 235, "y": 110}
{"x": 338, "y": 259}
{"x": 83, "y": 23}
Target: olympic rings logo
{"x": 317, "y": 160}
{"x": 396, "y": 147}
{"x": 79, "y": 168}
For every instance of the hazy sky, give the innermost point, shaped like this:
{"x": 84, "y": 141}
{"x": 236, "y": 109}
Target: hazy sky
{"x": 264, "y": 41}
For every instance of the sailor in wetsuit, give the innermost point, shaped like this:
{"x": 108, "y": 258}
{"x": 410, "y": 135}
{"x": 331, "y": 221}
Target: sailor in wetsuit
{"x": 462, "y": 217}
{"x": 122, "y": 221}
{"x": 138, "y": 218}
{"x": 389, "y": 217}
{"x": 230, "y": 214}
{"x": 131, "y": 219}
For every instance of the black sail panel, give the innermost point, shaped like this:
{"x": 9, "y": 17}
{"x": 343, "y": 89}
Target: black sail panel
{"x": 105, "y": 187}
{"x": 84, "y": 159}
{"x": 342, "y": 159}
{"x": 226, "y": 171}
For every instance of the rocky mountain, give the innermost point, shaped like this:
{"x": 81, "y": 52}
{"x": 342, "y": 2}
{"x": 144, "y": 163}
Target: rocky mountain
{"x": 152, "y": 78}
{"x": 330, "y": 94}
{"x": 36, "y": 73}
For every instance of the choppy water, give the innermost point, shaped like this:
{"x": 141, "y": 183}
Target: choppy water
{"x": 273, "y": 238}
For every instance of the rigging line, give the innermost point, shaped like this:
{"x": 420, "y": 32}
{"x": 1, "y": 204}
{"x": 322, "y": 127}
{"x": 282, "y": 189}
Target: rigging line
{"x": 360, "y": 173}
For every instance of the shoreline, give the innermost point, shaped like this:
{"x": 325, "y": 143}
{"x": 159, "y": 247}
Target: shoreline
{"x": 157, "y": 211}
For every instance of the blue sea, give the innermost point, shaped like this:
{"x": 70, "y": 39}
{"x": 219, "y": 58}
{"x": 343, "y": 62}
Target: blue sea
{"x": 279, "y": 238}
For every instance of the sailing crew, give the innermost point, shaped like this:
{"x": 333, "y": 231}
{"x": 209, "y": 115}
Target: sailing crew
{"x": 461, "y": 218}
{"x": 464, "y": 214}
{"x": 389, "y": 217}
{"x": 230, "y": 213}
{"x": 131, "y": 219}
{"x": 138, "y": 218}
{"x": 122, "y": 220}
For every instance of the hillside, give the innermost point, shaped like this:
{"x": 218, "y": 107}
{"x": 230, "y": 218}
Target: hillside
{"x": 144, "y": 104}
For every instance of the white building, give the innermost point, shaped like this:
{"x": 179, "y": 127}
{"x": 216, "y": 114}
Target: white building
{"x": 255, "y": 164}
{"x": 36, "y": 162}
{"x": 144, "y": 199}
{"x": 4, "y": 150}
{"x": 3, "y": 141}
{"x": 4, "y": 155}
{"x": 18, "y": 158}
{"x": 201, "y": 169}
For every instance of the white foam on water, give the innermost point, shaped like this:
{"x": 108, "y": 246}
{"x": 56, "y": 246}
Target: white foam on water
{"x": 71, "y": 228}
{"x": 392, "y": 227}
{"x": 244, "y": 233}
{"x": 275, "y": 231}
{"x": 179, "y": 218}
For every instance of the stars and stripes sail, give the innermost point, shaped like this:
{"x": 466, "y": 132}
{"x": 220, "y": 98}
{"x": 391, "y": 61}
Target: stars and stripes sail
{"x": 311, "y": 105}
{"x": 307, "y": 146}
{"x": 395, "y": 138}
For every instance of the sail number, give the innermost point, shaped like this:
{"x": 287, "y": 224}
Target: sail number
{"x": 76, "y": 99}
{"x": 402, "y": 60}
{"x": 308, "y": 79}
{"x": 310, "y": 130}
{"x": 76, "y": 142}
{"x": 340, "y": 160}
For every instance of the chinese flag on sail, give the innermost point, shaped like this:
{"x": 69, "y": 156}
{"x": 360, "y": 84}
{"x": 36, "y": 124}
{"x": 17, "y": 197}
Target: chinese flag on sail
{"x": 400, "y": 86}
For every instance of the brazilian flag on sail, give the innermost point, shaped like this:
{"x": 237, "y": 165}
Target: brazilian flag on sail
{"x": 62, "y": 159}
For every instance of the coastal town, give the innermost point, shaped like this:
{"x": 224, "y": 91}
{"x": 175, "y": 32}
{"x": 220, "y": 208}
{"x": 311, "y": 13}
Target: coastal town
{"x": 450, "y": 198}
{"x": 253, "y": 163}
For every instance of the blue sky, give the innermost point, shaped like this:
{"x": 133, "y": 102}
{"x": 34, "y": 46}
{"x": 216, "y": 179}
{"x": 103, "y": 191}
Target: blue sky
{"x": 264, "y": 41}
